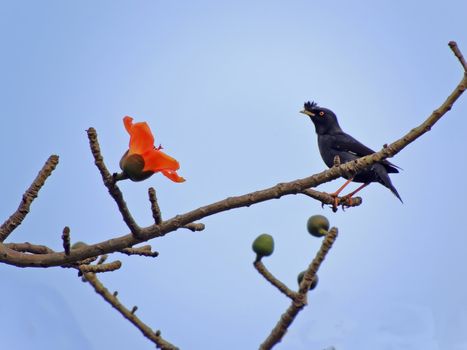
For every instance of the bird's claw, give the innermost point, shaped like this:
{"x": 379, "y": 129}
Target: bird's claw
{"x": 347, "y": 201}
{"x": 344, "y": 202}
{"x": 335, "y": 202}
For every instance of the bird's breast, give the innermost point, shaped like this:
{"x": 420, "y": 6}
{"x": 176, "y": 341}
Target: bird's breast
{"x": 326, "y": 150}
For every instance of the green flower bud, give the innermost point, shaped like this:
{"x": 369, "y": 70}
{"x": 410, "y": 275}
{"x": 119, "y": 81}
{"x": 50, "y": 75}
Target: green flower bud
{"x": 317, "y": 225}
{"x": 263, "y": 245}
{"x": 314, "y": 283}
{"x": 133, "y": 165}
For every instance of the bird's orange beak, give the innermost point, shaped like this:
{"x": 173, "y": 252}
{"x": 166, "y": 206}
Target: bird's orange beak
{"x": 308, "y": 113}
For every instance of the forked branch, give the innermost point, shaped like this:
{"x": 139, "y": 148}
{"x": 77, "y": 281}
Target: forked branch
{"x": 32, "y": 255}
{"x": 300, "y": 299}
{"x": 111, "y": 298}
{"x": 16, "y": 258}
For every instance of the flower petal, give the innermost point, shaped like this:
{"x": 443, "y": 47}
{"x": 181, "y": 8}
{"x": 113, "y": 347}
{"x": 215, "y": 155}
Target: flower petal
{"x": 141, "y": 138}
{"x": 128, "y": 122}
{"x": 172, "y": 175}
{"x": 156, "y": 160}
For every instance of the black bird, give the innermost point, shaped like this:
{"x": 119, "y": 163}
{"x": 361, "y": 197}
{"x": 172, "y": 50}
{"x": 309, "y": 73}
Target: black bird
{"x": 332, "y": 141}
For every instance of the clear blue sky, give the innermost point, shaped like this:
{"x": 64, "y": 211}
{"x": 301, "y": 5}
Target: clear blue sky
{"x": 221, "y": 84}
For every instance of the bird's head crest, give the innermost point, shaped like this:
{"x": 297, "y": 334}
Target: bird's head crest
{"x": 310, "y": 105}
{"x": 324, "y": 119}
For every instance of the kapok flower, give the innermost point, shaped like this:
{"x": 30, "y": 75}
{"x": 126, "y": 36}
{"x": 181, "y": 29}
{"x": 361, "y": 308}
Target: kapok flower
{"x": 143, "y": 159}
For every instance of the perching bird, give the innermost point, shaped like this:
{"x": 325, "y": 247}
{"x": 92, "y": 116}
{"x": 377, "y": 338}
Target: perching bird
{"x": 332, "y": 141}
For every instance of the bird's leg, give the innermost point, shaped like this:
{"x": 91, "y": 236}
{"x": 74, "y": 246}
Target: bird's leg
{"x": 351, "y": 194}
{"x": 336, "y": 194}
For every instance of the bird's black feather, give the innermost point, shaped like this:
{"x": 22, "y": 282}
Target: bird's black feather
{"x": 333, "y": 141}
{"x": 347, "y": 143}
{"x": 310, "y": 105}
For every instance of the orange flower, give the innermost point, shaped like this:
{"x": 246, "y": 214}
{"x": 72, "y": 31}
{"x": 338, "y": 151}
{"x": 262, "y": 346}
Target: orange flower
{"x": 143, "y": 159}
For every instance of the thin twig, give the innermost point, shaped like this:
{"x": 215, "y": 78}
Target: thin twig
{"x": 66, "y": 240}
{"x": 109, "y": 182}
{"x": 102, "y": 259}
{"x": 458, "y": 54}
{"x": 27, "y": 247}
{"x": 142, "y": 251}
{"x": 326, "y": 198}
{"x": 157, "y": 215}
{"x": 194, "y": 226}
{"x": 112, "y": 299}
{"x": 109, "y": 267}
{"x": 300, "y": 300}
{"x": 12, "y": 257}
{"x": 28, "y": 197}
{"x": 75, "y": 265}
{"x": 156, "y": 210}
{"x": 87, "y": 261}
{"x": 259, "y": 266}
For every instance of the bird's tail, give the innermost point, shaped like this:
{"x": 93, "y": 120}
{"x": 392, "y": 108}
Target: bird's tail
{"x": 393, "y": 190}
{"x": 386, "y": 181}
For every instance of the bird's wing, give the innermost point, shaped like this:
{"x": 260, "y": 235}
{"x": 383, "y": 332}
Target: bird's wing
{"x": 345, "y": 143}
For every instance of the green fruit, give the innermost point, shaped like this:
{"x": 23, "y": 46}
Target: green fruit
{"x": 263, "y": 245}
{"x": 78, "y": 245}
{"x": 133, "y": 165}
{"x": 317, "y": 225}
{"x": 314, "y": 283}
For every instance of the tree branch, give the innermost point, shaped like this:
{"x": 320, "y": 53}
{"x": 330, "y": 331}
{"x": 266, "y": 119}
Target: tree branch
{"x": 157, "y": 215}
{"x": 326, "y": 198}
{"x": 259, "y": 266}
{"x": 156, "y": 210}
{"x": 300, "y": 299}
{"x": 142, "y": 251}
{"x": 12, "y": 257}
{"x": 194, "y": 226}
{"x": 458, "y": 54}
{"x": 101, "y": 267}
{"x": 112, "y": 299}
{"x": 66, "y": 240}
{"x": 110, "y": 183}
{"x": 27, "y": 247}
{"x": 28, "y": 197}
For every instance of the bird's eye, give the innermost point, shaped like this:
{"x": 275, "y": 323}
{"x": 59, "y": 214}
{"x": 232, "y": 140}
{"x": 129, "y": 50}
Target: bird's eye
{"x": 321, "y": 113}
